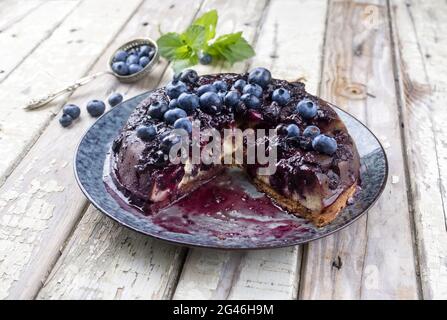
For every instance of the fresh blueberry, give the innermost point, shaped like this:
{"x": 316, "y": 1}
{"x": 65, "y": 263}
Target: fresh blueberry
{"x": 254, "y": 89}
{"x": 260, "y": 76}
{"x": 208, "y": 100}
{"x": 120, "y": 55}
{"x": 324, "y": 144}
{"x": 168, "y": 142}
{"x": 232, "y": 98}
{"x": 173, "y": 104}
{"x": 65, "y": 120}
{"x": 144, "y": 61}
{"x": 250, "y": 101}
{"x": 311, "y": 132}
{"x": 205, "y": 58}
{"x": 146, "y": 133}
{"x": 175, "y": 88}
{"x": 307, "y": 109}
{"x": 132, "y": 59}
{"x": 220, "y": 85}
{"x": 293, "y": 131}
{"x": 132, "y": 51}
{"x": 72, "y": 110}
{"x": 221, "y": 95}
{"x": 281, "y": 96}
{"x": 183, "y": 123}
{"x": 120, "y": 68}
{"x": 157, "y": 109}
{"x": 96, "y": 108}
{"x": 115, "y": 98}
{"x": 239, "y": 85}
{"x": 205, "y": 88}
{"x": 144, "y": 51}
{"x": 188, "y": 102}
{"x": 173, "y": 114}
{"x": 135, "y": 68}
{"x": 189, "y": 76}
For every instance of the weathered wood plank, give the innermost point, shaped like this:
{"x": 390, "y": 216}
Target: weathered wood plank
{"x": 40, "y": 202}
{"x": 374, "y": 258}
{"x": 160, "y": 263}
{"x": 421, "y": 48}
{"x": 291, "y": 51}
{"x": 62, "y": 58}
{"x": 23, "y": 37}
{"x": 12, "y": 11}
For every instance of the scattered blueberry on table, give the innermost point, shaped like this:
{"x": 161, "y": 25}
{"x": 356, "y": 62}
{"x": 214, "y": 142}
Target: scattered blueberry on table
{"x": 205, "y": 58}
{"x": 72, "y": 110}
{"x": 96, "y": 108}
{"x": 115, "y": 98}
{"x": 133, "y": 60}
{"x": 65, "y": 120}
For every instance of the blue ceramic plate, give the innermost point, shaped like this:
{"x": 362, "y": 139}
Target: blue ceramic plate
{"x": 227, "y": 213}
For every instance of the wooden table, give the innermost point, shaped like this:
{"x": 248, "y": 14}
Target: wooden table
{"x": 383, "y": 61}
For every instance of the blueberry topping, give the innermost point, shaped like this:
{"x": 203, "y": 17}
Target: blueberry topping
{"x": 188, "y": 102}
{"x": 210, "y": 102}
{"x": 135, "y": 68}
{"x": 96, "y": 108}
{"x": 205, "y": 58}
{"x": 220, "y": 85}
{"x": 157, "y": 109}
{"x": 307, "y": 109}
{"x": 144, "y": 61}
{"x": 173, "y": 104}
{"x": 260, "y": 76}
{"x": 239, "y": 85}
{"x": 146, "y": 133}
{"x": 293, "y": 131}
{"x": 324, "y": 144}
{"x": 232, "y": 98}
{"x": 253, "y": 89}
{"x": 250, "y": 101}
{"x": 221, "y": 95}
{"x": 175, "y": 88}
{"x": 189, "y": 76}
{"x": 205, "y": 88}
{"x": 183, "y": 123}
{"x": 173, "y": 114}
{"x": 115, "y": 98}
{"x": 168, "y": 142}
{"x": 132, "y": 59}
{"x": 311, "y": 132}
{"x": 281, "y": 96}
{"x": 65, "y": 120}
{"x": 72, "y": 110}
{"x": 120, "y": 55}
{"x": 120, "y": 68}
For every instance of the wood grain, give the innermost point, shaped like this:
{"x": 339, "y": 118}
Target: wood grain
{"x": 270, "y": 274}
{"x": 421, "y": 49}
{"x": 373, "y": 258}
{"x": 13, "y": 11}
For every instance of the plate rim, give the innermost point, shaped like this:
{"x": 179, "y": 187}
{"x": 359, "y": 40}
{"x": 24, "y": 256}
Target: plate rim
{"x": 196, "y": 245}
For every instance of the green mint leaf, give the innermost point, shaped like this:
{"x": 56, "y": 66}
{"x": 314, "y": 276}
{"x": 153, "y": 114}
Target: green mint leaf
{"x": 168, "y": 45}
{"x": 231, "y": 47}
{"x": 209, "y": 21}
{"x": 194, "y": 37}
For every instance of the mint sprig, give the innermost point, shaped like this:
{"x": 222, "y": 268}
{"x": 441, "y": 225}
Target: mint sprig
{"x": 184, "y": 49}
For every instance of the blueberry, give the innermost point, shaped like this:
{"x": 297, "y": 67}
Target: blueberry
{"x": 208, "y": 100}
{"x": 324, "y": 144}
{"x": 96, "y": 108}
{"x": 205, "y": 58}
{"x": 120, "y": 68}
{"x": 250, "y": 101}
{"x": 168, "y": 142}
{"x": 175, "y": 88}
{"x": 307, "y": 109}
{"x": 72, "y": 110}
{"x": 232, "y": 98}
{"x": 120, "y": 55}
{"x": 260, "y": 76}
{"x": 157, "y": 109}
{"x": 65, "y": 120}
{"x": 189, "y": 76}
{"x": 146, "y": 133}
{"x": 188, "y": 102}
{"x": 253, "y": 89}
{"x": 144, "y": 61}
{"x": 135, "y": 68}
{"x": 221, "y": 95}
{"x": 220, "y": 85}
{"x": 115, "y": 98}
{"x": 205, "y": 88}
{"x": 173, "y": 104}
{"x": 144, "y": 51}
{"x": 132, "y": 59}
{"x": 293, "y": 131}
{"x": 183, "y": 123}
{"x": 311, "y": 132}
{"x": 239, "y": 85}
{"x": 281, "y": 96}
{"x": 174, "y": 114}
